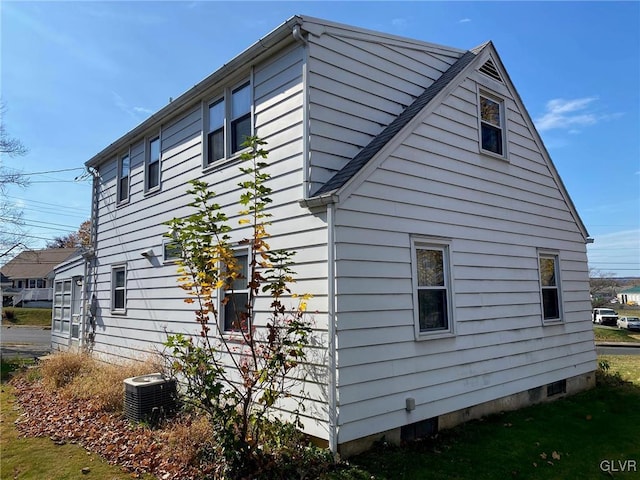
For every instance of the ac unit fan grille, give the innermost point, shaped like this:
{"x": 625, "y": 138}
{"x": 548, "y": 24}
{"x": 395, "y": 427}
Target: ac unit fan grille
{"x": 149, "y": 403}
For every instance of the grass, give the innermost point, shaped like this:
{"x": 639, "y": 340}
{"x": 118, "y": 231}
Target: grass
{"x": 605, "y": 334}
{"x": 40, "y": 317}
{"x": 40, "y": 458}
{"x": 565, "y": 439}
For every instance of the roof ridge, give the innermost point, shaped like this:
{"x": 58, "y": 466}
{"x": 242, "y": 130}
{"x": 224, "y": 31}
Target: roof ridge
{"x": 377, "y": 143}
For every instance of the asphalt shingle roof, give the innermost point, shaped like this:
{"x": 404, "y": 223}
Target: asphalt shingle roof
{"x": 368, "y": 152}
{"x": 36, "y": 263}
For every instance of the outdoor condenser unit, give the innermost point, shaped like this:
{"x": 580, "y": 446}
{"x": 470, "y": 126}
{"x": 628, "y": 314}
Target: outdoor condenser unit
{"x": 148, "y": 398}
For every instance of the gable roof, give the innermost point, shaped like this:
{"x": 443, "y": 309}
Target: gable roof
{"x": 368, "y": 152}
{"x": 328, "y": 193}
{"x": 36, "y": 263}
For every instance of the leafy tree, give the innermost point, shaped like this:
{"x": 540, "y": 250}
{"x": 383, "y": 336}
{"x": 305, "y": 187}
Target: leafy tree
{"x": 81, "y": 238}
{"x": 238, "y": 377}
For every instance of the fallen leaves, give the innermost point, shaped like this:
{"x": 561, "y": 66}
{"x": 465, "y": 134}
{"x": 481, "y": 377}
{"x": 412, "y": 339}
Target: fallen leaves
{"x": 136, "y": 448}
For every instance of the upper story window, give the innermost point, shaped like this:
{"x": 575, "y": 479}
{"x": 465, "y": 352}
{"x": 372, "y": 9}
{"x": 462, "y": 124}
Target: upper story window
{"x": 228, "y": 123}
{"x": 549, "y": 266}
{"x": 240, "y": 116}
{"x": 492, "y": 126}
{"x": 152, "y": 164}
{"x": 432, "y": 289}
{"x": 124, "y": 170}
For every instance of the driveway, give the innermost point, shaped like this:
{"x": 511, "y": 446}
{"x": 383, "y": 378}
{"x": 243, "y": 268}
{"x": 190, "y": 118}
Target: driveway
{"x": 25, "y": 341}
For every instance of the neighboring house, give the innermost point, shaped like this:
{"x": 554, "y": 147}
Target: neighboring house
{"x": 447, "y": 262}
{"x": 630, "y": 296}
{"x": 31, "y": 275}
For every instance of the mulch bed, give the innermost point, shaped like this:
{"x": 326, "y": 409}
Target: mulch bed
{"x": 135, "y": 448}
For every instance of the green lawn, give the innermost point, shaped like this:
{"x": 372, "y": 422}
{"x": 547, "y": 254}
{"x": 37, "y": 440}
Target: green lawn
{"x": 565, "y": 439}
{"x": 605, "y": 334}
{"x": 26, "y": 316}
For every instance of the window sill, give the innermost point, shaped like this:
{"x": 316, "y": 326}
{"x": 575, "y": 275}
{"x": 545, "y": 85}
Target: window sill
{"x": 118, "y": 312}
{"x": 489, "y": 153}
{"x": 224, "y": 162}
{"x": 152, "y": 191}
{"x": 552, "y": 321}
{"x": 435, "y": 335}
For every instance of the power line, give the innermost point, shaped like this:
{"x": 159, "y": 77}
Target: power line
{"x": 55, "y": 205}
{"x": 49, "y": 171}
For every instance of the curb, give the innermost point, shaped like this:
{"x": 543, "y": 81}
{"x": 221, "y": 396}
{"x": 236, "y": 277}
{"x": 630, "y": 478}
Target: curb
{"x": 618, "y": 344}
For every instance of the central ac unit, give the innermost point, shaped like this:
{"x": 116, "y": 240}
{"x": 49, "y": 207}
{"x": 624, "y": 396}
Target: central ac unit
{"x": 148, "y": 398}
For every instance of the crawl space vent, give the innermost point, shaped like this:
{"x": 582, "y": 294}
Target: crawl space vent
{"x": 490, "y": 70}
{"x": 148, "y": 398}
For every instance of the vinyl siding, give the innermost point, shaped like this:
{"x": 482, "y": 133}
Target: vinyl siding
{"x": 496, "y": 214}
{"x": 154, "y": 300}
{"x": 357, "y": 85}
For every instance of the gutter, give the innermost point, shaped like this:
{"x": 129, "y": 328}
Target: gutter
{"x": 289, "y": 29}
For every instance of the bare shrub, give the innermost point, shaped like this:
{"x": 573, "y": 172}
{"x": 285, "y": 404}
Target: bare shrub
{"x": 188, "y": 439}
{"x": 102, "y": 384}
{"x": 78, "y": 376}
{"x": 60, "y": 369}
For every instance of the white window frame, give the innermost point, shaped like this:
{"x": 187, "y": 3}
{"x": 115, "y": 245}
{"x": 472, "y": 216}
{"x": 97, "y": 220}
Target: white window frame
{"x": 62, "y": 298}
{"x": 148, "y": 162}
{"x": 115, "y": 288}
{"x": 228, "y": 122}
{"x": 557, "y": 287}
{"x": 444, "y": 246}
{"x": 167, "y": 247}
{"x": 482, "y": 93}
{"x": 244, "y": 291}
{"x": 122, "y": 197}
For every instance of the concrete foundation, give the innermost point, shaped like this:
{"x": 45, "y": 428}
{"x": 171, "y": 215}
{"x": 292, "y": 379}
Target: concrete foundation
{"x": 543, "y": 393}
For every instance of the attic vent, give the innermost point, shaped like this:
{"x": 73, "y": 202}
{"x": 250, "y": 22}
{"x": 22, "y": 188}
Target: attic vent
{"x": 148, "y": 398}
{"x": 490, "y": 70}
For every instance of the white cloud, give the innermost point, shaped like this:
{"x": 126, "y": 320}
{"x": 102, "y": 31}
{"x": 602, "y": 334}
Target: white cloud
{"x": 136, "y": 113}
{"x": 464, "y": 20}
{"x": 399, "y": 22}
{"x": 566, "y": 114}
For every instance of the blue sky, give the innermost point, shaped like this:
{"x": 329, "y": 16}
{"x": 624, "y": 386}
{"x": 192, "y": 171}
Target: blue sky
{"x": 75, "y": 76}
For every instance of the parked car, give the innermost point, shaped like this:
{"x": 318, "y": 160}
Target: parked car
{"x": 605, "y": 316}
{"x": 630, "y": 323}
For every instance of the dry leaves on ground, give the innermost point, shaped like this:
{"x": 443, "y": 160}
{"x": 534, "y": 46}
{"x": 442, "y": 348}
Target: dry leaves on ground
{"x": 136, "y": 448}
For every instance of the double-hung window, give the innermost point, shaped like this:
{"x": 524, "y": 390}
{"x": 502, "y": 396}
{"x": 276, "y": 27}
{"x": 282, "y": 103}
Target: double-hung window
{"x": 549, "y": 266}
{"x": 152, "y": 164}
{"x": 432, "y": 288}
{"x": 119, "y": 288}
{"x": 236, "y": 297}
{"x": 228, "y": 123}
{"x": 492, "y": 137}
{"x": 240, "y": 116}
{"x": 124, "y": 169}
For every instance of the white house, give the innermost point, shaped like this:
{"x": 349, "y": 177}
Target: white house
{"x": 629, "y": 296}
{"x": 446, "y": 259}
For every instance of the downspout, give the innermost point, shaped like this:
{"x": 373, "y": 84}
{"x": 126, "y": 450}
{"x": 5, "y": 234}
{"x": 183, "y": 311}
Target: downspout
{"x": 306, "y": 161}
{"x": 89, "y": 256}
{"x": 332, "y": 394}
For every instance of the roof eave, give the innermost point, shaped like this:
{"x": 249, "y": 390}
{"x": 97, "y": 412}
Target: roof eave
{"x": 192, "y": 96}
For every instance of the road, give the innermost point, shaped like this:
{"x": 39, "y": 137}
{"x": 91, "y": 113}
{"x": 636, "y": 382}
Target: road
{"x": 25, "y": 341}
{"x": 618, "y": 350}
